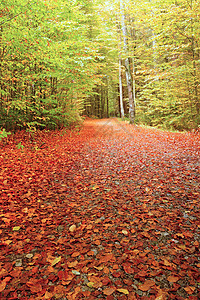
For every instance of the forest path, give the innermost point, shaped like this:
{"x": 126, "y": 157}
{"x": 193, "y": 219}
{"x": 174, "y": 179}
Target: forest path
{"x": 107, "y": 212}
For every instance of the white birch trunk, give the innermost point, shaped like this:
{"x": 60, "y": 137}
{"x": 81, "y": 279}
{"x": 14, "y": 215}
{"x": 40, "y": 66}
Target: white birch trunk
{"x": 129, "y": 79}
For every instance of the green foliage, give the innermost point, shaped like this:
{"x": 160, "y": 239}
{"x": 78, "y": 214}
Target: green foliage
{"x": 59, "y": 59}
{"x": 20, "y": 146}
{"x": 166, "y": 52}
{"x": 48, "y": 64}
{"x": 4, "y": 134}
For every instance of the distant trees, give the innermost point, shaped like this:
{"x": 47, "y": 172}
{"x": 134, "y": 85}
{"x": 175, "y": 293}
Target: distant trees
{"x": 166, "y": 51}
{"x": 161, "y": 51}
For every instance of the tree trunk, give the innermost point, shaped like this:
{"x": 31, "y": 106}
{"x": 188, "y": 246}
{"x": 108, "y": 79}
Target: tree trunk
{"x": 129, "y": 78}
{"x": 120, "y": 88}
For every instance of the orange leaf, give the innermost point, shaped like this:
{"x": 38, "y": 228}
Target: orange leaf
{"x": 34, "y": 285}
{"x": 160, "y": 297}
{"x": 72, "y": 264}
{"x": 173, "y": 278}
{"x": 36, "y": 288}
{"x": 190, "y": 289}
{"x": 89, "y": 226}
{"x": 106, "y": 270}
{"x": 142, "y": 273}
{"x": 86, "y": 293}
{"x": 2, "y": 285}
{"x": 108, "y": 291}
{"x": 97, "y": 242}
{"x": 166, "y": 262}
{"x": 75, "y": 254}
{"x": 48, "y": 295}
{"x": 146, "y": 285}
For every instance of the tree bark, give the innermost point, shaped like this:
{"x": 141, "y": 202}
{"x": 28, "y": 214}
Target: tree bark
{"x": 120, "y": 88}
{"x": 129, "y": 78}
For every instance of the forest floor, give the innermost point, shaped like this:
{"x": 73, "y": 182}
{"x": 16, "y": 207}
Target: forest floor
{"x": 108, "y": 212}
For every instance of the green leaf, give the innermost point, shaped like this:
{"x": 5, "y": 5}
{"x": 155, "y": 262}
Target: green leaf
{"x": 16, "y": 228}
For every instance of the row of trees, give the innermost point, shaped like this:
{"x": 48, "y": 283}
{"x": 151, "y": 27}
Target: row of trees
{"x": 60, "y": 59}
{"x": 49, "y": 62}
{"x": 159, "y": 41}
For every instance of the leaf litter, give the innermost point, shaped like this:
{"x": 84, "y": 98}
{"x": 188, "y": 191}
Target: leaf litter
{"x": 110, "y": 212}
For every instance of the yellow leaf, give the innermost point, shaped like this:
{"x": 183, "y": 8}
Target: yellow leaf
{"x": 72, "y": 228}
{"x": 161, "y": 297}
{"x": 55, "y": 261}
{"x": 16, "y": 228}
{"x": 99, "y": 268}
{"x": 8, "y": 242}
{"x": 125, "y": 232}
{"x": 90, "y": 284}
{"x": 124, "y": 291}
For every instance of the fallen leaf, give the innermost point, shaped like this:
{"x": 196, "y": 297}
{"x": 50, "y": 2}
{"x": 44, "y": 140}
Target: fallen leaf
{"x": 48, "y": 295}
{"x": 125, "y": 232}
{"x": 75, "y": 254}
{"x": 76, "y": 272}
{"x": 72, "y": 264}
{"x": 55, "y": 261}
{"x": 3, "y": 284}
{"x": 123, "y": 291}
{"x": 190, "y": 289}
{"x": 108, "y": 291}
{"x": 90, "y": 284}
{"x": 146, "y": 285}
{"x": 34, "y": 285}
{"x": 99, "y": 268}
{"x": 16, "y": 228}
{"x": 173, "y": 278}
{"x": 72, "y": 228}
